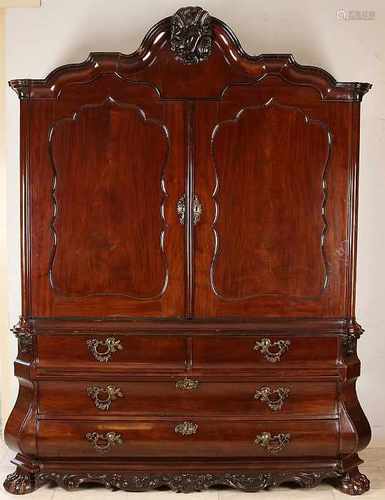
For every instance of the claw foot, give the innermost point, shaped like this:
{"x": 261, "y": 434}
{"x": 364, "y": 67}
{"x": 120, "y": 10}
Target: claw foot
{"x": 354, "y": 483}
{"x": 20, "y": 482}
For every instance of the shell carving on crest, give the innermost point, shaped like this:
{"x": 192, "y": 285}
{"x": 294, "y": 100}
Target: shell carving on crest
{"x": 191, "y": 35}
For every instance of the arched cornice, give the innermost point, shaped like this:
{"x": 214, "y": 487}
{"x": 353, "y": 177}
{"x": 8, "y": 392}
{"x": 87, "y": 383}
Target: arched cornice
{"x": 162, "y": 39}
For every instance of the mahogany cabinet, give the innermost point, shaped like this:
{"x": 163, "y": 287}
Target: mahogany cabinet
{"x": 189, "y": 222}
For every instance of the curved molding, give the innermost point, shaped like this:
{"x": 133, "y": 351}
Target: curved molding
{"x": 97, "y": 64}
{"x": 308, "y": 121}
{"x": 253, "y": 68}
{"x": 55, "y": 205}
{"x": 21, "y": 427}
{"x": 355, "y": 428}
{"x": 285, "y": 66}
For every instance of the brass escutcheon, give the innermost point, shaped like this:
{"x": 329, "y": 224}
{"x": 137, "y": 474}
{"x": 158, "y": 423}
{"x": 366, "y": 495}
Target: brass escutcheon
{"x": 186, "y": 428}
{"x": 196, "y": 209}
{"x": 187, "y": 384}
{"x": 103, "y": 349}
{"x": 103, "y": 396}
{"x": 104, "y": 442}
{"x": 272, "y": 444}
{"x": 272, "y": 351}
{"x": 274, "y": 398}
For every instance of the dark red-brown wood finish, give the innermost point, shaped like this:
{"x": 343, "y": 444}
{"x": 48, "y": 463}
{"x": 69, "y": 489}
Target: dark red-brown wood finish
{"x": 189, "y": 221}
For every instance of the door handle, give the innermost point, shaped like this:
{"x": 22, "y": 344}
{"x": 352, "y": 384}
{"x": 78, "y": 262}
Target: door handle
{"x": 196, "y": 209}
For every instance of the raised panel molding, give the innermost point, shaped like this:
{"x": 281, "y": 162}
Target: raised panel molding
{"x": 234, "y": 122}
{"x": 58, "y": 209}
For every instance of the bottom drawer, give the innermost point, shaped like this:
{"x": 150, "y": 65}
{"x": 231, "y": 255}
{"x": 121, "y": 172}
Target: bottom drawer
{"x": 187, "y": 438}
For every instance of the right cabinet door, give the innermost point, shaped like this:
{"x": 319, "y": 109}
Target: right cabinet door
{"x": 273, "y": 186}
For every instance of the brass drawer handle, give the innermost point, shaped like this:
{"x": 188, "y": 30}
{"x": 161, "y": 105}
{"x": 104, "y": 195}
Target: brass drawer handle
{"x": 272, "y": 444}
{"x": 274, "y": 398}
{"x": 103, "y": 396}
{"x": 187, "y": 384}
{"x": 186, "y": 428}
{"x": 103, "y": 349}
{"x": 272, "y": 350}
{"x": 196, "y": 209}
{"x": 104, "y": 442}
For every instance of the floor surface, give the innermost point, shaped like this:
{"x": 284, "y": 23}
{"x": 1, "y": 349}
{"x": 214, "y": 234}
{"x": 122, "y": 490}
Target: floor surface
{"x": 374, "y": 468}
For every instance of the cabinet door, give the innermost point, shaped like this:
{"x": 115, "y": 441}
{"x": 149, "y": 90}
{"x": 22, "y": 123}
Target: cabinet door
{"x": 271, "y": 187}
{"x": 105, "y": 180}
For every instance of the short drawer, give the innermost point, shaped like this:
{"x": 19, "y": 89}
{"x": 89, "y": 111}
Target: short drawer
{"x": 187, "y": 438}
{"x": 79, "y": 352}
{"x": 247, "y": 352}
{"x": 191, "y": 396}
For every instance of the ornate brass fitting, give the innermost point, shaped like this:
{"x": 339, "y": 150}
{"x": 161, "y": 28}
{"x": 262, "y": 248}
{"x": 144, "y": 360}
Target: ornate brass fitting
{"x": 187, "y": 384}
{"x": 186, "y": 428}
{"x": 272, "y": 351}
{"x": 103, "y": 396}
{"x": 103, "y": 349}
{"x": 274, "y": 398}
{"x": 272, "y": 444}
{"x": 104, "y": 442}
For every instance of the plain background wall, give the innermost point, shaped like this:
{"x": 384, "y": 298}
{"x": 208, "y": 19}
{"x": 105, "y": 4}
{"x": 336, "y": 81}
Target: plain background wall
{"x": 65, "y": 31}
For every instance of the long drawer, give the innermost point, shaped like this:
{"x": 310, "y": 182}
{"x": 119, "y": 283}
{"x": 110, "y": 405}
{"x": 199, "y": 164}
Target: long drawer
{"x": 187, "y": 438}
{"x": 79, "y": 352}
{"x": 174, "y": 352}
{"x": 189, "y": 396}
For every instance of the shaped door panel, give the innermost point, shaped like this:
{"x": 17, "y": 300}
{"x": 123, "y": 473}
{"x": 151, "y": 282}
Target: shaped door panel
{"x": 263, "y": 247}
{"x": 114, "y": 185}
{"x": 102, "y": 250}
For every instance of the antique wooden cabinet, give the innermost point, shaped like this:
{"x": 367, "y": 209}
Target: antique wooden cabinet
{"x": 189, "y": 217}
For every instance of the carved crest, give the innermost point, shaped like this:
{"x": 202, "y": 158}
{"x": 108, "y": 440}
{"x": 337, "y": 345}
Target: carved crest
{"x": 191, "y": 35}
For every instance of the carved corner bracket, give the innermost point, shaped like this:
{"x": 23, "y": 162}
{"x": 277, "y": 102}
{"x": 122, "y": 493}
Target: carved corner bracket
{"x": 353, "y": 333}
{"x": 21, "y": 87}
{"x": 24, "y": 334}
{"x": 191, "y": 35}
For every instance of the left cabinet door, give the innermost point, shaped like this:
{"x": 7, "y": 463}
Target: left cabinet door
{"x": 102, "y": 182}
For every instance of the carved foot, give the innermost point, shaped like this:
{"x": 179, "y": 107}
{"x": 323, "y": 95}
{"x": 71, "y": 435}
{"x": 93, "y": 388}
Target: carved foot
{"x": 20, "y": 482}
{"x": 353, "y": 482}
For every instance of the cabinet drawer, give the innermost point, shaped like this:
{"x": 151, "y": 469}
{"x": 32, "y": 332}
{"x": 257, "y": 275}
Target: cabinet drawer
{"x": 187, "y": 437}
{"x": 247, "y": 352}
{"x": 71, "y": 352}
{"x": 189, "y": 396}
